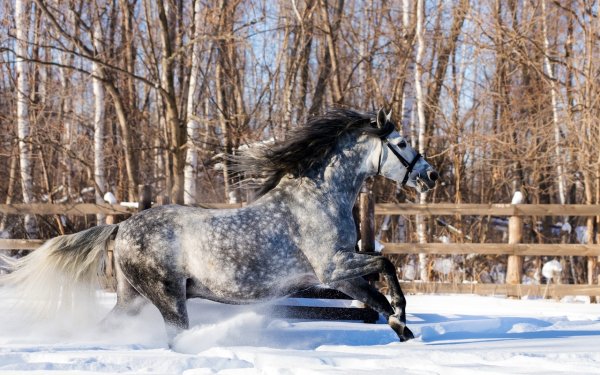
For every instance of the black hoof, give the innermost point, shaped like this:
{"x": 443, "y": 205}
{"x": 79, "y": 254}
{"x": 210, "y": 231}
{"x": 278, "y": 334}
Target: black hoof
{"x": 404, "y": 334}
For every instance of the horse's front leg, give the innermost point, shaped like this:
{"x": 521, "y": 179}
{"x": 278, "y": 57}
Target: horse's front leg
{"x": 345, "y": 273}
{"x": 360, "y": 290}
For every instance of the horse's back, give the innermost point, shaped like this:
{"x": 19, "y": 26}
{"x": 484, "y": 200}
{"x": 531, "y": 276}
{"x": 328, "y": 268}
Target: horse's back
{"x": 236, "y": 255}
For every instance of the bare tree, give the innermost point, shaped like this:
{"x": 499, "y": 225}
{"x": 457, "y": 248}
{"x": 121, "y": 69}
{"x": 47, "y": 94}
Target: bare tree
{"x": 562, "y": 189}
{"x": 191, "y": 157}
{"x": 420, "y": 98}
{"x": 177, "y": 134}
{"x": 326, "y": 66}
{"x": 99, "y": 118}
{"x": 23, "y": 125}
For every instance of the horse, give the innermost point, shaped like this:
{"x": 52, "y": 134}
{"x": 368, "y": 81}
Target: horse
{"x": 299, "y": 232}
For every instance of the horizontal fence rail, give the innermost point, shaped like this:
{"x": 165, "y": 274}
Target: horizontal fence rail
{"x": 487, "y": 209}
{"x": 66, "y": 209}
{"x": 520, "y": 290}
{"x": 11, "y": 244}
{"x": 380, "y": 209}
{"x": 493, "y": 249}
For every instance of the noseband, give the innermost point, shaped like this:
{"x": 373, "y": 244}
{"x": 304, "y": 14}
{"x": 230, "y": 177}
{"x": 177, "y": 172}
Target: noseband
{"x": 408, "y": 165}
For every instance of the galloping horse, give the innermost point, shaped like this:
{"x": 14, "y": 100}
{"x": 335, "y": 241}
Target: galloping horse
{"x": 298, "y": 234}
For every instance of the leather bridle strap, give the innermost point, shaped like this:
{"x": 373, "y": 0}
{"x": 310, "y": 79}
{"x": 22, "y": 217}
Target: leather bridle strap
{"x": 409, "y": 165}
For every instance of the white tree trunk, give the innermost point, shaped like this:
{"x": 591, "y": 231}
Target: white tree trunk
{"x": 421, "y": 230}
{"x": 99, "y": 94}
{"x": 406, "y": 106}
{"x": 558, "y": 150}
{"x": 67, "y": 136}
{"x": 67, "y": 116}
{"x": 23, "y": 126}
{"x": 190, "y": 171}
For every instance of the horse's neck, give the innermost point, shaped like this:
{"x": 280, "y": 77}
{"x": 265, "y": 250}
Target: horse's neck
{"x": 344, "y": 175}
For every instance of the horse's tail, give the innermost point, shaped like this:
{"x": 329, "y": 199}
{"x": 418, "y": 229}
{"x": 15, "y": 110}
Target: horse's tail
{"x": 64, "y": 273}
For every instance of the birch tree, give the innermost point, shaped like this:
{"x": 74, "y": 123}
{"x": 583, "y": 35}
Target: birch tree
{"x": 558, "y": 150}
{"x": 99, "y": 118}
{"x": 66, "y": 114}
{"x": 23, "y": 125}
{"x": 419, "y": 98}
{"x": 191, "y": 156}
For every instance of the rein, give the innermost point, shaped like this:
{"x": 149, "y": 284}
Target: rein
{"x": 408, "y": 165}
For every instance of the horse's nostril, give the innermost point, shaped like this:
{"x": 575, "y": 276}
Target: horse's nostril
{"x": 433, "y": 175}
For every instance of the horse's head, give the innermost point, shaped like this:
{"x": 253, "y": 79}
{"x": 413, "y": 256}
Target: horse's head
{"x": 398, "y": 161}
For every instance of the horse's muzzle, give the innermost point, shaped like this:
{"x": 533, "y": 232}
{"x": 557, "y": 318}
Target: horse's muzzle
{"x": 426, "y": 180}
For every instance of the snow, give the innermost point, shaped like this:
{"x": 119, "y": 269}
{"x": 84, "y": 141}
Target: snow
{"x": 130, "y": 204}
{"x": 552, "y": 269}
{"x": 110, "y": 198}
{"x": 443, "y": 266}
{"x": 517, "y": 198}
{"x": 456, "y": 334}
{"x": 378, "y": 246}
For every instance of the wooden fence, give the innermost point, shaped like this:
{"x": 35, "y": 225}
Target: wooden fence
{"x": 514, "y": 249}
{"x": 592, "y": 251}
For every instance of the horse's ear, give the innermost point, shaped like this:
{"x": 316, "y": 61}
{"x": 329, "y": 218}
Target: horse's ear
{"x": 388, "y": 117}
{"x": 382, "y": 118}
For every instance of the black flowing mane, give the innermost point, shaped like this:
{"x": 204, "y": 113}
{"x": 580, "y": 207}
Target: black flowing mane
{"x": 305, "y": 147}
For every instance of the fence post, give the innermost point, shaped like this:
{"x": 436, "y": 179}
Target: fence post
{"x": 110, "y": 269}
{"x": 111, "y": 282}
{"x": 514, "y": 267}
{"x": 591, "y": 275}
{"x": 163, "y": 200}
{"x": 145, "y": 197}
{"x": 367, "y": 220}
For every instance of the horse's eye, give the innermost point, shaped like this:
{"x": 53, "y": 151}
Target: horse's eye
{"x": 402, "y": 144}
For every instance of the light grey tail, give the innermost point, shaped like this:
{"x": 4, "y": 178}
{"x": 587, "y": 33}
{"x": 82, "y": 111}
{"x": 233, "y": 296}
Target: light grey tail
{"x": 64, "y": 273}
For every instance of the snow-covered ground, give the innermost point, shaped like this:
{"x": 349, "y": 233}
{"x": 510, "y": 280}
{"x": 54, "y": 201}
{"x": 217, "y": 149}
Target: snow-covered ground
{"x": 456, "y": 334}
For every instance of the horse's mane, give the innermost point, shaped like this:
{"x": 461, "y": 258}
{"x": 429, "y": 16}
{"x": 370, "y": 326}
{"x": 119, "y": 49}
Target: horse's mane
{"x": 305, "y": 147}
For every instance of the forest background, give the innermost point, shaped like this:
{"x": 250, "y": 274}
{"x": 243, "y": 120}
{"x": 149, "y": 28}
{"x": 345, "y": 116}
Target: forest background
{"x": 101, "y": 96}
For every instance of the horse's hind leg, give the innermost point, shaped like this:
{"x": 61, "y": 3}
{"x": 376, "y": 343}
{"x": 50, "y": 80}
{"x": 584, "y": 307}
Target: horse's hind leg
{"x": 161, "y": 286}
{"x": 169, "y": 296}
{"x": 129, "y": 301}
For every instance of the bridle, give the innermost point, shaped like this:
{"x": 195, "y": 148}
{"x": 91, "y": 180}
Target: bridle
{"x": 408, "y": 165}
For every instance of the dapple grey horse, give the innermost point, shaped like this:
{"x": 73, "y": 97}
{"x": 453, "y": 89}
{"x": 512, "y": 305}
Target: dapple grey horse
{"x": 299, "y": 233}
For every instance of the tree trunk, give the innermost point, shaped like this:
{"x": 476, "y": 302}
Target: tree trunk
{"x": 131, "y": 156}
{"x": 225, "y": 130}
{"x": 66, "y": 118}
{"x": 304, "y": 63}
{"x": 331, "y": 29}
{"x": 420, "y": 219}
{"x": 289, "y": 81}
{"x": 99, "y": 119}
{"x": 191, "y": 156}
{"x": 23, "y": 125}
{"x": 12, "y": 178}
{"x": 177, "y": 133}
{"x": 558, "y": 151}
{"x": 326, "y": 65}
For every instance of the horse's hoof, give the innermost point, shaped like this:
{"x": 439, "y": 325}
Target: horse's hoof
{"x": 404, "y": 334}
